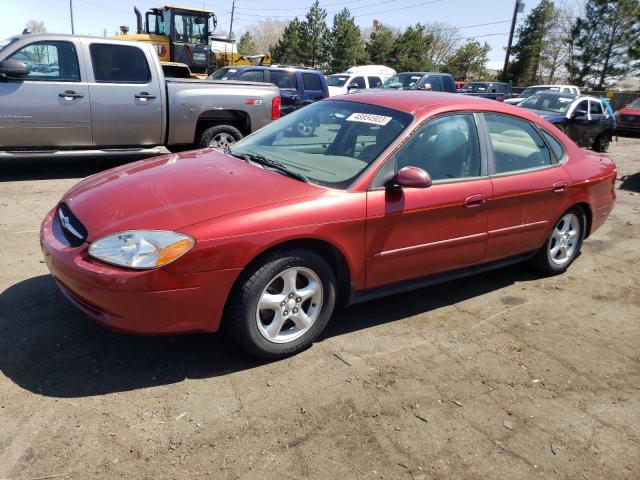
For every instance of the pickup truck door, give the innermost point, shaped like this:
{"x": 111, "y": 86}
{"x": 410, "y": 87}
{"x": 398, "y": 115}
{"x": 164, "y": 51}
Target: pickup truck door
{"x": 126, "y": 95}
{"x": 48, "y": 108}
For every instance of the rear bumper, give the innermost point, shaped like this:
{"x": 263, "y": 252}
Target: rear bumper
{"x": 142, "y": 302}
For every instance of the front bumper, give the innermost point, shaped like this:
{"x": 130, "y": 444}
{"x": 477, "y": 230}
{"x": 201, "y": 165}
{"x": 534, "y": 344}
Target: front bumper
{"x": 136, "y": 301}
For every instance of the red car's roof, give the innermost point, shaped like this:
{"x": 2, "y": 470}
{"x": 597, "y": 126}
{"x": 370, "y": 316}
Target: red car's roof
{"x": 420, "y": 103}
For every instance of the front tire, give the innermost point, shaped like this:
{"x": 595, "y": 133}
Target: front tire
{"x": 219, "y": 136}
{"x": 602, "y": 142}
{"x": 563, "y": 244}
{"x": 281, "y": 305}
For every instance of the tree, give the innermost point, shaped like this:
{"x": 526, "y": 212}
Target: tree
{"x": 380, "y": 46}
{"x": 315, "y": 37}
{"x": 246, "y": 45}
{"x": 444, "y": 41}
{"x": 411, "y": 50}
{"x": 289, "y": 47}
{"x": 605, "y": 42}
{"x": 36, "y": 26}
{"x": 347, "y": 47}
{"x": 267, "y": 33}
{"x": 528, "y": 52}
{"x": 469, "y": 62}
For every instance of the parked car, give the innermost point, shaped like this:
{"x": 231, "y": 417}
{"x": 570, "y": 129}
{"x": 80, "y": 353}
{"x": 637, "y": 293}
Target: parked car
{"x": 493, "y": 90}
{"x": 584, "y": 119}
{"x": 298, "y": 86}
{"x": 399, "y": 190}
{"x": 628, "y": 118}
{"x": 358, "y": 78}
{"x": 460, "y": 84}
{"x": 435, "y": 81}
{"x": 78, "y": 95}
{"x": 569, "y": 89}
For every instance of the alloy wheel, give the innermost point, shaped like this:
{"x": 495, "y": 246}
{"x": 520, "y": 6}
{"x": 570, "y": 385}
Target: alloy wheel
{"x": 289, "y": 305}
{"x": 564, "y": 239}
{"x": 222, "y": 140}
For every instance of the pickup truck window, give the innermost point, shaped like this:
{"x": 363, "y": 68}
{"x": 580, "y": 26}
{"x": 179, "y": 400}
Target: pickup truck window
{"x": 358, "y": 82}
{"x": 119, "y": 64}
{"x": 50, "y": 61}
{"x": 374, "y": 82}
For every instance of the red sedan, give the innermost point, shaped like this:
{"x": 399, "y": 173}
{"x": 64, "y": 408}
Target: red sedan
{"x": 394, "y": 191}
{"x": 628, "y": 118}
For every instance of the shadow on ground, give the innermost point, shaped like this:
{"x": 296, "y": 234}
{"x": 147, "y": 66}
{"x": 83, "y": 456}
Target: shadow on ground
{"x": 631, "y": 182}
{"x": 22, "y": 169}
{"x": 50, "y": 348}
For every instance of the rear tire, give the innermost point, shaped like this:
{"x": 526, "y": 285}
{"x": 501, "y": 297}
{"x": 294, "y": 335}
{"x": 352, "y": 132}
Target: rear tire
{"x": 281, "y": 305}
{"x": 219, "y": 136}
{"x": 563, "y": 245}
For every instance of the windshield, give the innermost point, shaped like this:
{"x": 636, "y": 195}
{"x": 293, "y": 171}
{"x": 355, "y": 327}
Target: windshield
{"x": 635, "y": 103}
{"x": 224, "y": 73}
{"x": 337, "y": 80}
{"x": 527, "y": 92}
{"x": 347, "y": 137}
{"x": 548, "y": 103}
{"x": 402, "y": 81}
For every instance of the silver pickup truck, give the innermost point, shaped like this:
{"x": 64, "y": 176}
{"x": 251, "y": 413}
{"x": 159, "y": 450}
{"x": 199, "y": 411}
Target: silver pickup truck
{"x": 62, "y": 94}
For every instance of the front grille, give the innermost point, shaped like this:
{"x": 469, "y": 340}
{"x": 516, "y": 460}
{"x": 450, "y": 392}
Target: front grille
{"x": 630, "y": 118}
{"x": 73, "y": 230}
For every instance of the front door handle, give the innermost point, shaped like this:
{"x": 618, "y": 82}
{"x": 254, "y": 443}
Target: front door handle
{"x": 559, "y": 186}
{"x": 475, "y": 201}
{"x": 145, "y": 96}
{"x": 70, "y": 95}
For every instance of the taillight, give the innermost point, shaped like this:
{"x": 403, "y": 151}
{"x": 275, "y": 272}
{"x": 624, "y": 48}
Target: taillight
{"x": 276, "y": 103}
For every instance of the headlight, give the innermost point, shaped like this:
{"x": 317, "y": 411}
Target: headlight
{"x": 141, "y": 248}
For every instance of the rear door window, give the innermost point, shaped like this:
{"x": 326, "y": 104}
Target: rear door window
{"x": 516, "y": 144}
{"x": 358, "y": 82}
{"x": 119, "y": 64}
{"x": 50, "y": 61}
{"x": 596, "y": 107}
{"x": 311, "y": 81}
{"x": 282, "y": 78}
{"x": 374, "y": 82}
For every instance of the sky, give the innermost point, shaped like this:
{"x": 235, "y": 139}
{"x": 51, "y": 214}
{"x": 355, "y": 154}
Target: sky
{"x": 92, "y": 17}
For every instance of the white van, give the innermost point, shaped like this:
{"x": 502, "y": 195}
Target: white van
{"x": 356, "y": 78}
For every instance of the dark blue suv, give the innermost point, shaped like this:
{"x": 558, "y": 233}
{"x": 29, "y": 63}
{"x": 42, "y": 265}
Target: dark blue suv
{"x": 298, "y": 86}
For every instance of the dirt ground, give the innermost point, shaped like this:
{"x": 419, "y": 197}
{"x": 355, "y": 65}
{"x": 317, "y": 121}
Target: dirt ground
{"x": 505, "y": 375}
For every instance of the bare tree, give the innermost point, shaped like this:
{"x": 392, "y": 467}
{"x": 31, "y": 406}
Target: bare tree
{"x": 557, "y": 50}
{"x": 36, "y": 26}
{"x": 445, "y": 41}
{"x": 266, "y": 33}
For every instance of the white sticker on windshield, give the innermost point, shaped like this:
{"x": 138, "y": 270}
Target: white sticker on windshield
{"x": 416, "y": 77}
{"x": 368, "y": 118}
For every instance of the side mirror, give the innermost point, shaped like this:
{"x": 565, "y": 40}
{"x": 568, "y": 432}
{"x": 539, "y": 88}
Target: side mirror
{"x": 578, "y": 114}
{"x": 13, "y": 68}
{"x": 352, "y": 86}
{"x": 425, "y": 86}
{"x": 412, "y": 177}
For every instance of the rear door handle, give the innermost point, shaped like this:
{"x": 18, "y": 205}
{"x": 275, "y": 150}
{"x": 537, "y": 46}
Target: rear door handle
{"x": 475, "y": 201}
{"x": 70, "y": 95}
{"x": 559, "y": 186}
{"x": 145, "y": 96}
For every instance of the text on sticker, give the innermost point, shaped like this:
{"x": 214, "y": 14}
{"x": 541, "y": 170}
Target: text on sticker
{"x": 368, "y": 118}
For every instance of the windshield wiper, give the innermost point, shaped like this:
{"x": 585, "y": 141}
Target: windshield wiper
{"x": 272, "y": 164}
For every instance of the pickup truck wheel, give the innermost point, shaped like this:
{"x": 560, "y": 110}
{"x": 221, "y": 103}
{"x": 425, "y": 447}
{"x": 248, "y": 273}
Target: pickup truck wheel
{"x": 281, "y": 305}
{"x": 219, "y": 136}
{"x": 602, "y": 142}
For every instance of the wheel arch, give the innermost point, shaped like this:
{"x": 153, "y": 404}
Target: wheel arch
{"x": 210, "y": 118}
{"x": 586, "y": 208}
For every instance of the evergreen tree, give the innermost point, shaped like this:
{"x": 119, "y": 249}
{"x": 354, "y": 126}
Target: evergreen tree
{"x": 605, "y": 42}
{"x": 347, "y": 46}
{"x": 289, "y": 46}
{"x": 411, "y": 50}
{"x": 526, "y": 67}
{"x": 246, "y": 45}
{"x": 315, "y": 37}
{"x": 380, "y": 46}
{"x": 469, "y": 62}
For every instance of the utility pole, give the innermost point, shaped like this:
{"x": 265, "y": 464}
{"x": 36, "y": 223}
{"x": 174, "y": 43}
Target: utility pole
{"x": 518, "y": 8}
{"x": 233, "y": 9}
{"x": 71, "y": 10}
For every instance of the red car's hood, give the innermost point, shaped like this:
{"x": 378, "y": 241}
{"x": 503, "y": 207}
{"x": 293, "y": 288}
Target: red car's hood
{"x": 173, "y": 191}
{"x": 629, "y": 111}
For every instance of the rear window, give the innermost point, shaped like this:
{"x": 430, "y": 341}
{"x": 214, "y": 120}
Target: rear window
{"x": 119, "y": 64}
{"x": 311, "y": 81}
{"x": 282, "y": 78}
